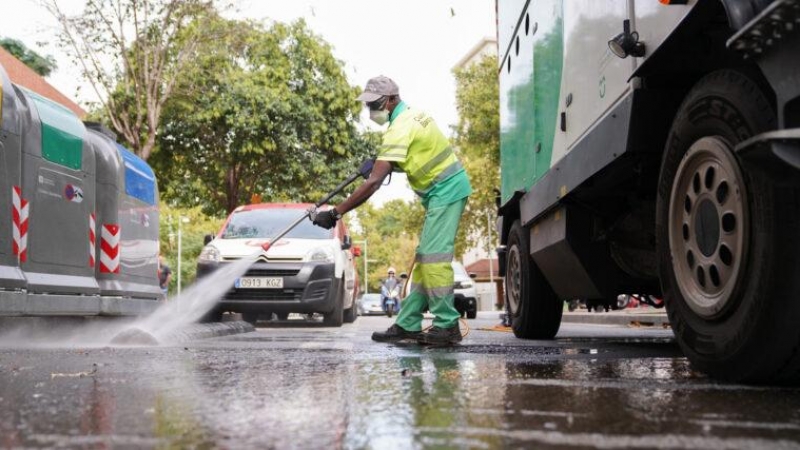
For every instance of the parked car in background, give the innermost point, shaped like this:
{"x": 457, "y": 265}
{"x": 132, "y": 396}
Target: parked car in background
{"x": 370, "y": 304}
{"x": 466, "y": 298}
{"x": 310, "y": 270}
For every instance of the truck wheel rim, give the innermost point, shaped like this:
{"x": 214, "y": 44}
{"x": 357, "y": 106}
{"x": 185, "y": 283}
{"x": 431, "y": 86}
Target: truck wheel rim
{"x": 708, "y": 225}
{"x": 514, "y": 280}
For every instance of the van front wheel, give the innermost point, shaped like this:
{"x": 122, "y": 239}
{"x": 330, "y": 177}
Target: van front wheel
{"x": 335, "y": 318}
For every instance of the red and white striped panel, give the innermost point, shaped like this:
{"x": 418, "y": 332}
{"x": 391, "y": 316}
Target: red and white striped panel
{"x": 19, "y": 217}
{"x": 109, "y": 248}
{"x": 91, "y": 240}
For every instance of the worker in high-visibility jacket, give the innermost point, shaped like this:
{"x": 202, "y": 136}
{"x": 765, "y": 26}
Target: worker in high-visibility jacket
{"x": 415, "y": 145}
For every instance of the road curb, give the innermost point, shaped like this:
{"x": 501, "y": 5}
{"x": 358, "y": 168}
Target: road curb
{"x": 208, "y": 330}
{"x": 658, "y": 319}
{"x": 647, "y": 318}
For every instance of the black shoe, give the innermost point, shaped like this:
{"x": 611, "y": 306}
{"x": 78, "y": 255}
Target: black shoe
{"x": 440, "y": 336}
{"x": 395, "y": 333}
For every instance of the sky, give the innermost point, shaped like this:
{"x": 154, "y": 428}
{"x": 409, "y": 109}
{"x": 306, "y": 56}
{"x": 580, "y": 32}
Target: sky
{"x": 415, "y": 42}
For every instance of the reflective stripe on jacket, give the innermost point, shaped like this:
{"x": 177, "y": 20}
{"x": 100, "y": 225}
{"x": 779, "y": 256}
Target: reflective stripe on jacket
{"x": 415, "y": 144}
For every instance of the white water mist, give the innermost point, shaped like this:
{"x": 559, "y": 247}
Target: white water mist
{"x": 195, "y": 301}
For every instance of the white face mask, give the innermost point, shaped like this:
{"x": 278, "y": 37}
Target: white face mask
{"x": 379, "y": 117}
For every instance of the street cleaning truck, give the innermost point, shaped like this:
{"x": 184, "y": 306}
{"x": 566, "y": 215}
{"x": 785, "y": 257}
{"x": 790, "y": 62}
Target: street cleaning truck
{"x": 653, "y": 147}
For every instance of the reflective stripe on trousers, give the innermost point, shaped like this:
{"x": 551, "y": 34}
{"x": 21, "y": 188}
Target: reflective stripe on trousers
{"x": 433, "y": 272}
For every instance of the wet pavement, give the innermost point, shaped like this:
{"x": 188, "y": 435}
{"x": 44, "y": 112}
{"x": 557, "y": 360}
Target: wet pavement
{"x": 301, "y": 385}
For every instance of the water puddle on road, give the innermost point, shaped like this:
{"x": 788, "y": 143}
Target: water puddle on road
{"x": 158, "y": 327}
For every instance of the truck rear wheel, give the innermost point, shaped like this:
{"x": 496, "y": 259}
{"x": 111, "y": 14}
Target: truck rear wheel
{"x": 727, "y": 239}
{"x": 533, "y": 307}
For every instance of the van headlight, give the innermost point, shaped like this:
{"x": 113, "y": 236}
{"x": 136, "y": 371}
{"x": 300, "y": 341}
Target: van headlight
{"x": 321, "y": 254}
{"x": 209, "y": 254}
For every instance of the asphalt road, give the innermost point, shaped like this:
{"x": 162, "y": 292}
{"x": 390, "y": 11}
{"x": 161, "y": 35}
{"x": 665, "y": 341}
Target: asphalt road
{"x": 301, "y": 385}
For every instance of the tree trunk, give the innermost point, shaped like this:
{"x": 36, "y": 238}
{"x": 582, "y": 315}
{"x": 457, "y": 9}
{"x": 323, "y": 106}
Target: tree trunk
{"x": 232, "y": 190}
{"x": 148, "y": 147}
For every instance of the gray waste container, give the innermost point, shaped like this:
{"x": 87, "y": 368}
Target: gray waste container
{"x": 12, "y": 281}
{"x": 127, "y": 223}
{"x": 63, "y": 250}
{"x": 58, "y": 181}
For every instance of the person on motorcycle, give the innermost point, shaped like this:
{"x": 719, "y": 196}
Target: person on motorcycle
{"x": 390, "y": 288}
{"x": 414, "y": 144}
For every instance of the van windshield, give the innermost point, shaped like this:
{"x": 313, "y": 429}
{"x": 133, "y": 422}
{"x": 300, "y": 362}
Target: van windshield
{"x": 266, "y": 223}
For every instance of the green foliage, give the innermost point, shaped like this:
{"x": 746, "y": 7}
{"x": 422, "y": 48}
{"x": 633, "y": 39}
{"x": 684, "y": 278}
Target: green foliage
{"x": 392, "y": 234}
{"x": 43, "y": 65}
{"x": 477, "y": 137}
{"x": 192, "y": 233}
{"x": 131, "y": 52}
{"x": 263, "y": 114}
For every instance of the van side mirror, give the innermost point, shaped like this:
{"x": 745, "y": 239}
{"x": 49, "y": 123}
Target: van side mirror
{"x": 356, "y": 251}
{"x": 208, "y": 238}
{"x": 347, "y": 242}
{"x": 473, "y": 275}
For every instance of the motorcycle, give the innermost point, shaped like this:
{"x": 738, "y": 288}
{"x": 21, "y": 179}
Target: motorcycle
{"x": 391, "y": 301}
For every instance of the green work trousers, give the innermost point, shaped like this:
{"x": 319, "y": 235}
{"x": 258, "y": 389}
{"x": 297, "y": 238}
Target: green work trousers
{"x": 432, "y": 279}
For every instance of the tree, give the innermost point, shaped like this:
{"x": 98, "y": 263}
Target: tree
{"x": 259, "y": 114}
{"x": 43, "y": 65}
{"x": 477, "y": 137}
{"x": 192, "y": 242}
{"x": 131, "y": 53}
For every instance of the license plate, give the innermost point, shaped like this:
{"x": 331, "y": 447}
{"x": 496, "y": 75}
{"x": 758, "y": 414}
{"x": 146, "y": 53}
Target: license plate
{"x": 258, "y": 283}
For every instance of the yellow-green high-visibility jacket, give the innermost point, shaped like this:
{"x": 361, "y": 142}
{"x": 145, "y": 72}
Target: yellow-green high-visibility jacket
{"x": 415, "y": 145}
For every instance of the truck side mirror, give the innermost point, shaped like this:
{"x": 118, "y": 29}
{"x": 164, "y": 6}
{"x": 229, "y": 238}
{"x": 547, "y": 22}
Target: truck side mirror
{"x": 208, "y": 238}
{"x": 347, "y": 242}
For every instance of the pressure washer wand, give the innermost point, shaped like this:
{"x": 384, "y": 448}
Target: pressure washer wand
{"x": 363, "y": 172}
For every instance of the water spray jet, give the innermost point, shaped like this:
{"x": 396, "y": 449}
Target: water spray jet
{"x": 134, "y": 336}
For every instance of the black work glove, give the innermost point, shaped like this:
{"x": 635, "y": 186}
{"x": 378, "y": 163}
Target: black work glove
{"x": 327, "y": 219}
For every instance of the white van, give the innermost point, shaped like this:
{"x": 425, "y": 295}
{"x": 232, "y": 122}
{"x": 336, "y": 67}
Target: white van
{"x": 310, "y": 270}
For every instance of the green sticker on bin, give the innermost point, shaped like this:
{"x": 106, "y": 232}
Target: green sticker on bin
{"x": 62, "y": 133}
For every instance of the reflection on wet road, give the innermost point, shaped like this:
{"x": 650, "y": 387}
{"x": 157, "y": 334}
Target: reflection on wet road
{"x": 315, "y": 387}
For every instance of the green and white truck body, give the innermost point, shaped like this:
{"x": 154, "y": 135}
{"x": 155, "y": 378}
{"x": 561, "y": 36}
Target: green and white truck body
{"x": 651, "y": 147}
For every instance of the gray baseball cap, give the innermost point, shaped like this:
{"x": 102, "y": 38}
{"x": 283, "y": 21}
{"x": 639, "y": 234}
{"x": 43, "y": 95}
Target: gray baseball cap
{"x": 378, "y": 87}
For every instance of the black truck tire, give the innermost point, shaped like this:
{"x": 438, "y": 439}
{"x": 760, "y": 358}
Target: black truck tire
{"x": 727, "y": 239}
{"x": 532, "y": 305}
